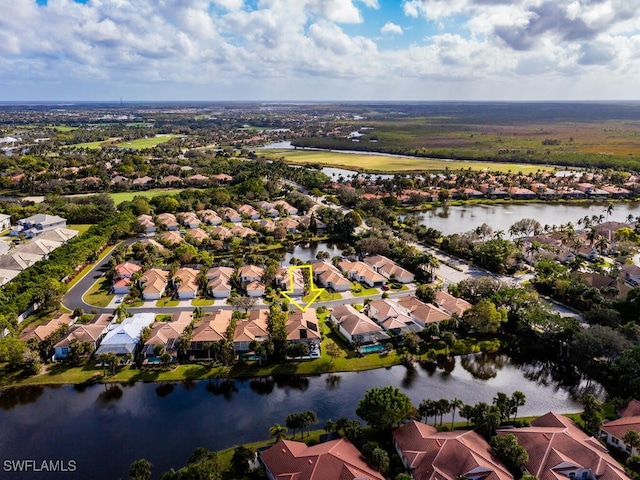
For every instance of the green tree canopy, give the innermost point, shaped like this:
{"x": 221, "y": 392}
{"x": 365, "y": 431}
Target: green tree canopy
{"x": 383, "y": 407}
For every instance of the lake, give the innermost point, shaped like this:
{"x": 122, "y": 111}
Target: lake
{"x": 500, "y": 216}
{"x": 105, "y": 428}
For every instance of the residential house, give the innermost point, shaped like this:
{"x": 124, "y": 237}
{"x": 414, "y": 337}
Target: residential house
{"x": 631, "y": 274}
{"x": 190, "y": 220}
{"x": 5, "y": 221}
{"x": 335, "y": 459}
{"x": 361, "y": 272}
{"x": 171, "y": 237}
{"x": 255, "y": 289}
{"x": 222, "y": 178}
{"x": 391, "y": 316}
{"x": 616, "y": 192}
{"x": 422, "y": 313}
{"x": 609, "y": 287}
{"x": 321, "y": 227}
{"x": 91, "y": 332}
{"x": 356, "y": 327}
{"x": 168, "y": 221}
{"x": 558, "y": 448}
{"x": 241, "y": 231}
{"x": 42, "y": 331}
{"x": 389, "y": 269}
{"x": 330, "y": 277}
{"x": 269, "y": 209}
{"x": 198, "y": 179}
{"x": 520, "y": 193}
{"x": 197, "y": 234}
{"x": 250, "y": 273}
{"x": 450, "y": 304}
{"x": 285, "y": 207}
{"x": 221, "y": 232}
{"x": 167, "y": 334}
{"x": 291, "y": 281}
{"x": 219, "y": 281}
{"x": 249, "y": 212}
{"x": 431, "y": 455}
{"x": 122, "y": 277}
{"x": 123, "y": 338}
{"x": 12, "y": 263}
{"x": 171, "y": 180}
{"x": 211, "y": 328}
{"x": 253, "y": 328}
{"x": 142, "y": 181}
{"x": 289, "y": 224}
{"x": 303, "y": 327}
{"x": 154, "y": 283}
{"x": 612, "y": 432}
{"x": 147, "y": 223}
{"x": 231, "y": 215}
{"x": 187, "y": 287}
{"x": 37, "y": 224}
{"x": 210, "y": 217}
{"x": 60, "y": 235}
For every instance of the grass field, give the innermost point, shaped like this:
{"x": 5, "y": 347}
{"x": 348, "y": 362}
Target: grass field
{"x": 81, "y": 228}
{"x": 120, "y": 197}
{"x": 142, "y": 143}
{"x": 89, "y": 145}
{"x": 98, "y": 294}
{"x": 388, "y": 164}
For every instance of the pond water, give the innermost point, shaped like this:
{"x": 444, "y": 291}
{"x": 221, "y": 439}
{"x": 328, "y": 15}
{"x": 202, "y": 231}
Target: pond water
{"x": 500, "y": 216}
{"x": 105, "y": 428}
{"x": 307, "y": 251}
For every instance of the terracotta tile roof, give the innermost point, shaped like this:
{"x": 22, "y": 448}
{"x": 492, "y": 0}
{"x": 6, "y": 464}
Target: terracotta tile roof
{"x": 303, "y": 325}
{"x": 333, "y": 460}
{"x": 213, "y": 327}
{"x": 171, "y": 236}
{"x": 422, "y": 312}
{"x": 452, "y": 304}
{"x": 42, "y": 331}
{"x": 619, "y": 427}
{"x": 252, "y": 328}
{"x": 631, "y": 410}
{"x": 82, "y": 333}
{"x": 154, "y": 280}
{"x": 556, "y": 446}
{"x": 354, "y": 322}
{"x": 127, "y": 269}
{"x": 433, "y": 455}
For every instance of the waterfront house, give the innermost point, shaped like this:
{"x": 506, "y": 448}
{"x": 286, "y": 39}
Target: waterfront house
{"x": 335, "y": 459}
{"x": 166, "y": 334}
{"x": 91, "y": 332}
{"x": 211, "y": 328}
{"x": 302, "y": 327}
{"x": 123, "y": 338}
{"x": 612, "y": 432}
{"x": 422, "y": 313}
{"x": 356, "y": 327}
{"x": 389, "y": 269}
{"x": 431, "y": 455}
{"x": 42, "y": 331}
{"x": 391, "y": 316}
{"x": 450, "y": 304}
{"x": 361, "y": 272}
{"x": 253, "y": 328}
{"x": 558, "y": 448}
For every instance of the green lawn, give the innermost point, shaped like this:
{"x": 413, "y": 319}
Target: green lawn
{"x": 119, "y": 197}
{"x": 142, "y": 143}
{"x": 98, "y": 294}
{"x": 80, "y": 227}
{"x": 325, "y": 296}
{"x": 167, "y": 302}
{"x": 89, "y": 145}
{"x": 360, "y": 290}
{"x": 202, "y": 302}
{"x": 382, "y": 163}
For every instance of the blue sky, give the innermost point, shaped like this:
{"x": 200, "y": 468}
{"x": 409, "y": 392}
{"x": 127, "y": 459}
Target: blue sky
{"x": 319, "y": 50}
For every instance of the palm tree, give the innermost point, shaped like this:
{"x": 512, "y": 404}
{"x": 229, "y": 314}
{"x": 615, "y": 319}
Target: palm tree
{"x": 426, "y": 409}
{"x": 455, "y": 404}
{"x": 518, "y": 399}
{"x": 631, "y": 438}
{"x": 278, "y": 431}
{"x": 592, "y": 235}
{"x": 602, "y": 245}
{"x": 608, "y": 210}
{"x": 630, "y": 218}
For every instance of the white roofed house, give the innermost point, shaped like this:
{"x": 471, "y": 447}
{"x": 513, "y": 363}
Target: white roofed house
{"x": 356, "y": 327}
{"x": 36, "y": 224}
{"x": 123, "y": 338}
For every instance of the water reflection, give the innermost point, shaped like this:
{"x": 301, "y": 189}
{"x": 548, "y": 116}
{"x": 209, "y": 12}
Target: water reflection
{"x": 483, "y": 365}
{"x": 111, "y": 393}
{"x": 164, "y": 389}
{"x": 295, "y": 382}
{"x": 446, "y": 364}
{"x": 410, "y": 376}
{"x": 332, "y": 381}
{"x": 262, "y": 385}
{"x": 226, "y": 388}
{"x": 12, "y": 397}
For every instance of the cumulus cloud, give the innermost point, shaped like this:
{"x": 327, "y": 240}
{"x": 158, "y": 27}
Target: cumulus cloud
{"x": 285, "y": 46}
{"x": 390, "y": 28}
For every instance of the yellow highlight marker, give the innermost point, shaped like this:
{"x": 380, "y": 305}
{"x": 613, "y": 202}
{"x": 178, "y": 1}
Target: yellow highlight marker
{"x": 313, "y": 291}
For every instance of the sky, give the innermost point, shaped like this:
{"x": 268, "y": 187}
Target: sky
{"x": 319, "y": 50}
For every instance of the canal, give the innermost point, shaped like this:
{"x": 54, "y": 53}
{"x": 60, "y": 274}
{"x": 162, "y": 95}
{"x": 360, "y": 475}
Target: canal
{"x": 105, "y": 428}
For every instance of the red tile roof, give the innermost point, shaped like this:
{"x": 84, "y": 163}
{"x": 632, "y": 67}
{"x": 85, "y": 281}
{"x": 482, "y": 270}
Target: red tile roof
{"x": 557, "y": 446}
{"x": 433, "y": 455}
{"x": 333, "y": 460}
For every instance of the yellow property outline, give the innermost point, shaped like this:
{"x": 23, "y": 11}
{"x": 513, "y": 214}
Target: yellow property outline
{"x": 313, "y": 291}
